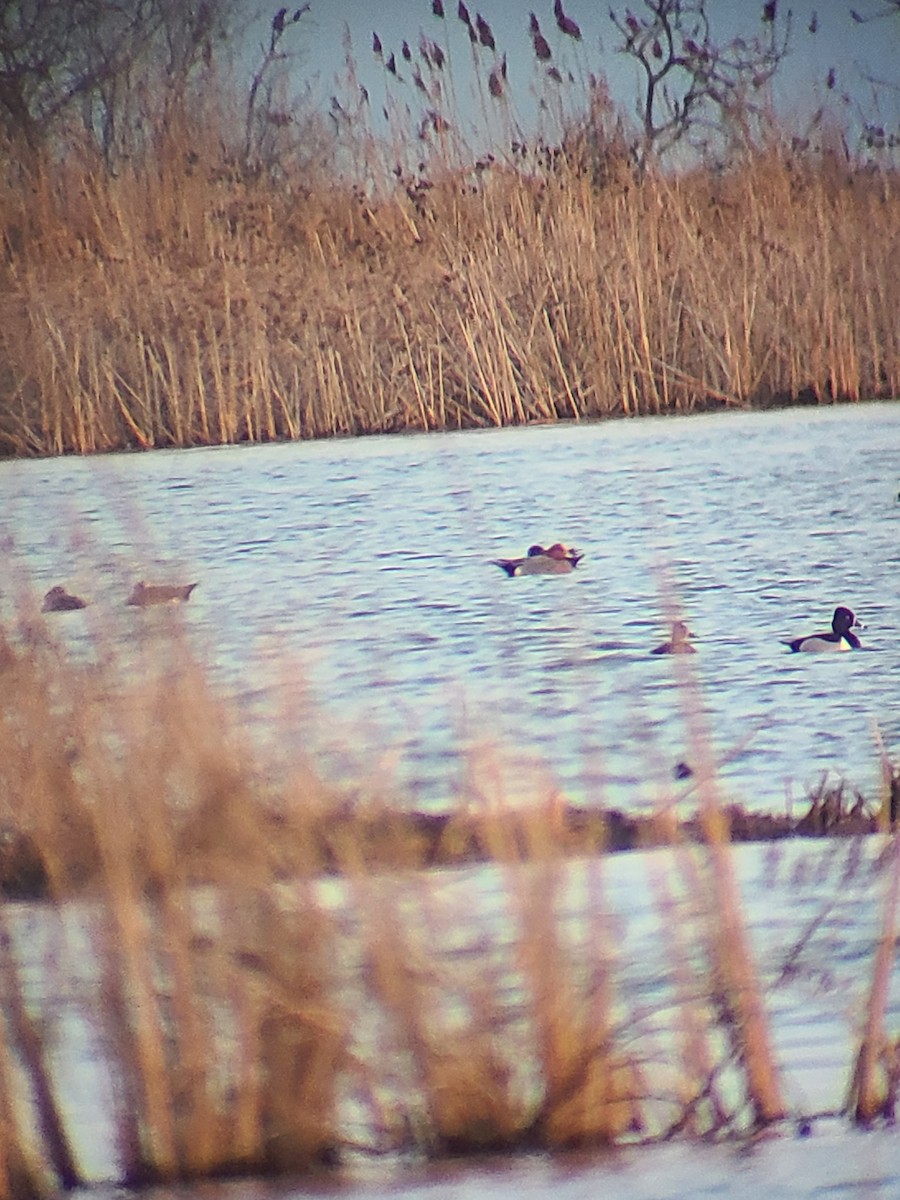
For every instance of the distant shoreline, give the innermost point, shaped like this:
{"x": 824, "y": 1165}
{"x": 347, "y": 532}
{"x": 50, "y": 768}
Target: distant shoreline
{"x": 186, "y": 307}
{"x": 774, "y": 404}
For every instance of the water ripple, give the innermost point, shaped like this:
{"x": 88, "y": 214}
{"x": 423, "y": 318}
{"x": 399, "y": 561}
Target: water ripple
{"x": 368, "y": 564}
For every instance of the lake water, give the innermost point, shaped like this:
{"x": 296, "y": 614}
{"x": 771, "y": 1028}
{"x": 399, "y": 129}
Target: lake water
{"x": 358, "y": 572}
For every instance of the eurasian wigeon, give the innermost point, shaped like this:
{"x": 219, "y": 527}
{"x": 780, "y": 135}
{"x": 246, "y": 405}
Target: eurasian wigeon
{"x": 556, "y": 560}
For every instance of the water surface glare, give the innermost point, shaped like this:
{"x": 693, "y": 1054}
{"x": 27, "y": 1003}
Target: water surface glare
{"x": 360, "y": 570}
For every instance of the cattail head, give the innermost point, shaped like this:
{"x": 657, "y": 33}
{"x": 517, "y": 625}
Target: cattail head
{"x": 391, "y": 64}
{"x": 405, "y": 51}
{"x": 437, "y": 56}
{"x": 485, "y": 36}
{"x": 437, "y": 7}
{"x": 463, "y": 13}
{"x": 495, "y": 87}
{"x": 376, "y": 45}
{"x": 541, "y": 47}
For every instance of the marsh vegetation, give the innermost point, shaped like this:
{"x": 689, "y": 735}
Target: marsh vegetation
{"x": 274, "y": 977}
{"x": 271, "y": 973}
{"x": 178, "y": 284}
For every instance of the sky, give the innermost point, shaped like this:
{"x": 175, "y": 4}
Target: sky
{"x": 825, "y": 38}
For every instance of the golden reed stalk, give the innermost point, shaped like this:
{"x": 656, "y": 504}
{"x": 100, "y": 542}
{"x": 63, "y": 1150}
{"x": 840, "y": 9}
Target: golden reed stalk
{"x": 253, "y": 311}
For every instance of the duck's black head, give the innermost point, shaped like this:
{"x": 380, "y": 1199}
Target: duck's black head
{"x": 843, "y": 620}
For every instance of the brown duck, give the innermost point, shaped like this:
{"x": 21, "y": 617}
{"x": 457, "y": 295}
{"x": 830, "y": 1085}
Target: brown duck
{"x": 59, "y": 600}
{"x": 679, "y": 643}
{"x": 145, "y": 594}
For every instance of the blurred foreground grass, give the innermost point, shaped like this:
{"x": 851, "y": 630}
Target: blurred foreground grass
{"x": 273, "y": 979}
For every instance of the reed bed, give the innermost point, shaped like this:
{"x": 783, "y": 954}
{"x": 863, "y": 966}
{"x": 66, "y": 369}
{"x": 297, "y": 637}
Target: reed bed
{"x": 262, "y": 999}
{"x": 181, "y": 301}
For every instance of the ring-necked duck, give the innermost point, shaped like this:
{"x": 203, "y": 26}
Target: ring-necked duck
{"x": 556, "y": 560}
{"x": 679, "y": 643}
{"x": 840, "y": 637}
{"x": 162, "y": 593}
{"x": 59, "y": 600}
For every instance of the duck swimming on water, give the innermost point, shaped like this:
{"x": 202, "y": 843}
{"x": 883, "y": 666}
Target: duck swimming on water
{"x": 556, "y": 560}
{"x": 679, "y": 643}
{"x": 841, "y": 636}
{"x": 145, "y": 594}
{"x": 59, "y": 600}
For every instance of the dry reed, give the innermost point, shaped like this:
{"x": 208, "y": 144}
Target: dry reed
{"x": 134, "y": 796}
{"x": 254, "y": 1017}
{"x": 183, "y": 301}
{"x": 179, "y": 302}
{"x": 737, "y": 985}
{"x": 876, "y": 1076}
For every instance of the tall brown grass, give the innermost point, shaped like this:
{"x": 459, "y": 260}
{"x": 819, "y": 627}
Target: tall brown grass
{"x": 182, "y": 301}
{"x": 254, "y": 1017}
{"x": 127, "y": 796}
{"x": 876, "y": 1076}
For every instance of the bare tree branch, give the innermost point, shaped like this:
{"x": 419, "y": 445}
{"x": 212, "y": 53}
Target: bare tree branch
{"x": 87, "y": 57}
{"x": 689, "y": 81}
